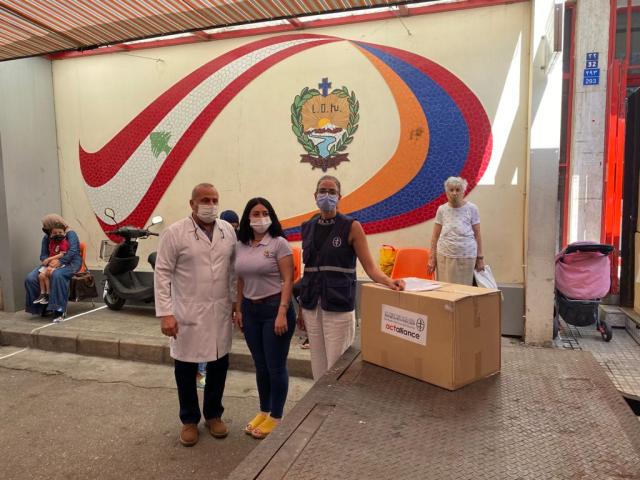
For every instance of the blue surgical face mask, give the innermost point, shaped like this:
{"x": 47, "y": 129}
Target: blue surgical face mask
{"x": 326, "y": 202}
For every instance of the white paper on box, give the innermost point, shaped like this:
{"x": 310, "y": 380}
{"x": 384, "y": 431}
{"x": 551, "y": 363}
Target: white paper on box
{"x": 404, "y": 324}
{"x": 414, "y": 284}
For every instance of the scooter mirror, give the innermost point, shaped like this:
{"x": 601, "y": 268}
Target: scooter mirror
{"x": 156, "y": 220}
{"x": 108, "y": 212}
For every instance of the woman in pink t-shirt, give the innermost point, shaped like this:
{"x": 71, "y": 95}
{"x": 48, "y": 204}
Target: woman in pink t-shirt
{"x": 264, "y": 266}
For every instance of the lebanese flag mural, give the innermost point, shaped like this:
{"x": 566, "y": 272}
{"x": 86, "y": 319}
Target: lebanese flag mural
{"x": 449, "y": 134}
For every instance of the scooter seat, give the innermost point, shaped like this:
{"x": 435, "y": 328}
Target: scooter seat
{"x": 132, "y": 289}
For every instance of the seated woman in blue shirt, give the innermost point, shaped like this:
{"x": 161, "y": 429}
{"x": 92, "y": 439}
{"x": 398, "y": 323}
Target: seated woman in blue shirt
{"x": 60, "y": 278}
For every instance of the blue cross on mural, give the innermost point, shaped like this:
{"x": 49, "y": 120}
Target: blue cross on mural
{"x": 325, "y": 86}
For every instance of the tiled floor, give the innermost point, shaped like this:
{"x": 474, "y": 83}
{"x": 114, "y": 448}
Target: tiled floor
{"x": 620, "y": 357}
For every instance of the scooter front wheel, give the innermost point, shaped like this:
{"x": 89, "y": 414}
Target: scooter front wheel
{"x": 113, "y": 301}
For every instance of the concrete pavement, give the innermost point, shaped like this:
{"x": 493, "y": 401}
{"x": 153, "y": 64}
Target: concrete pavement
{"x": 132, "y": 333}
{"x": 79, "y": 417}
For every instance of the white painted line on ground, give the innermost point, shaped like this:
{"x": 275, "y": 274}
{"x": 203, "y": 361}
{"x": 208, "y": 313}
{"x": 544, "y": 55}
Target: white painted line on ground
{"x": 52, "y": 323}
{"x": 14, "y": 353}
{"x": 84, "y": 313}
{"x": 70, "y": 318}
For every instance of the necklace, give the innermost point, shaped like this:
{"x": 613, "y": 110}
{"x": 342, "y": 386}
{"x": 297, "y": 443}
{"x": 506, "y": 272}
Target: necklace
{"x": 326, "y": 221}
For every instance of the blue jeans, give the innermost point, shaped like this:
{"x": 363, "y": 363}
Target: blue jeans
{"x": 269, "y": 351}
{"x": 59, "y": 286}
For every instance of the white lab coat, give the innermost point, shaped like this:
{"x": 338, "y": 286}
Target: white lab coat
{"x": 195, "y": 281}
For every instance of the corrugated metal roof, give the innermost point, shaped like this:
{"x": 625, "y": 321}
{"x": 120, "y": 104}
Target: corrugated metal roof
{"x": 36, "y": 27}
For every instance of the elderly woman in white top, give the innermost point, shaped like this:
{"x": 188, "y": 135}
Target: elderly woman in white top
{"x": 456, "y": 244}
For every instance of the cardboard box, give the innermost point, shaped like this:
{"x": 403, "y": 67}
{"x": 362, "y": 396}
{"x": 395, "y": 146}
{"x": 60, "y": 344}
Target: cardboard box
{"x": 449, "y": 337}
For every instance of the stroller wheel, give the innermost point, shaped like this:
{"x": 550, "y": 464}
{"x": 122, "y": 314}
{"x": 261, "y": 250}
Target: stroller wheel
{"x": 606, "y": 331}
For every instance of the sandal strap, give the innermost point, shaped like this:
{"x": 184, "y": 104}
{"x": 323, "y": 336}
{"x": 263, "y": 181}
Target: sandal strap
{"x": 265, "y": 427}
{"x": 257, "y": 420}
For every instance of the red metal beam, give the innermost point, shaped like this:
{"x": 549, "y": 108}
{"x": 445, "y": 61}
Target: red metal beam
{"x": 403, "y": 10}
{"x": 296, "y": 23}
{"x": 200, "y": 35}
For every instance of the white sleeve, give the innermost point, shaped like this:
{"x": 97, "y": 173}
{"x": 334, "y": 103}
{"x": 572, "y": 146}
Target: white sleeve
{"x": 165, "y": 265}
{"x": 233, "y": 278}
{"x": 439, "y": 216}
{"x": 475, "y": 215}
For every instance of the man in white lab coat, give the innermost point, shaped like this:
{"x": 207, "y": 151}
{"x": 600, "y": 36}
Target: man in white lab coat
{"x": 195, "y": 288}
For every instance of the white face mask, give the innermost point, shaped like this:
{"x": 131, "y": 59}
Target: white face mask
{"x": 261, "y": 225}
{"x": 207, "y": 213}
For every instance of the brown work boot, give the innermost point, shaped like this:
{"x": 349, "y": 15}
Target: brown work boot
{"x": 217, "y": 427}
{"x": 189, "y": 434}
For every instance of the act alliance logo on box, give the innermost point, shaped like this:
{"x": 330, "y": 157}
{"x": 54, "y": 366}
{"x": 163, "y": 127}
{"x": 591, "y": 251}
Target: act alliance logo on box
{"x": 404, "y": 324}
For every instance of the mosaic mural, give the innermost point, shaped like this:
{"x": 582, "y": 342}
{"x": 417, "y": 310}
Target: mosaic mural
{"x": 444, "y": 131}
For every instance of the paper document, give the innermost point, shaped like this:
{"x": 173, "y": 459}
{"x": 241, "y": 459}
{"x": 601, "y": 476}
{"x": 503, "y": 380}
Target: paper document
{"x": 414, "y": 284}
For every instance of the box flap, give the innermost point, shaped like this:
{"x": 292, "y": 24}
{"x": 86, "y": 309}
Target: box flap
{"x": 448, "y": 291}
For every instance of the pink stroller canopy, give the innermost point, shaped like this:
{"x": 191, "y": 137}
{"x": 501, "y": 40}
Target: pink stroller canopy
{"x": 583, "y": 275}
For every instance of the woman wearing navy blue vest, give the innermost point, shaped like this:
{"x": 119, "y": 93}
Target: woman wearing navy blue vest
{"x": 331, "y": 242}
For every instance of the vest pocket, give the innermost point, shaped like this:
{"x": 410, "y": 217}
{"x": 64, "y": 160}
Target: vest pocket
{"x": 338, "y": 295}
{"x": 307, "y": 291}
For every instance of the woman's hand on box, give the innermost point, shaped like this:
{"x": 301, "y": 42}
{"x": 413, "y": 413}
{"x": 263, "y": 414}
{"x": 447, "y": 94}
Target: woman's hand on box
{"x": 397, "y": 284}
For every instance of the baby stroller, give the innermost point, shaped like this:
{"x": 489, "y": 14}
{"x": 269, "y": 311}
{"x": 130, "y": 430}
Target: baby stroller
{"x": 582, "y": 278}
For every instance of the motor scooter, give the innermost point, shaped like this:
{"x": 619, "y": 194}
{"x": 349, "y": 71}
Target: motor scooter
{"x": 122, "y": 283}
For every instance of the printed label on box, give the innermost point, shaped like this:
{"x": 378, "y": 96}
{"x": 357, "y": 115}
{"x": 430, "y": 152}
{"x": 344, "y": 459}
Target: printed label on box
{"x": 401, "y": 323}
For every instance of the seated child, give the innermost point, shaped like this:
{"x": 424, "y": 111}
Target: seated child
{"x": 58, "y": 247}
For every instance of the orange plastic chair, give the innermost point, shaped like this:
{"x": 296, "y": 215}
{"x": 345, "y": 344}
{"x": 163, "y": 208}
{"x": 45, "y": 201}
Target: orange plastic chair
{"x": 411, "y": 262}
{"x": 83, "y": 255}
{"x": 297, "y": 263}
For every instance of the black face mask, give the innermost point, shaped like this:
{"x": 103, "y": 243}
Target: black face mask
{"x": 57, "y": 238}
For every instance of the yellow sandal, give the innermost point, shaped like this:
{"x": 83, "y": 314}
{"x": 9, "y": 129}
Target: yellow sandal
{"x": 265, "y": 428}
{"x": 257, "y": 420}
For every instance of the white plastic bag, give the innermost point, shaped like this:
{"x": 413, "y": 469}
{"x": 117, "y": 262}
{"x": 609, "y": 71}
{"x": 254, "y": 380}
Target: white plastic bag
{"x": 484, "y": 278}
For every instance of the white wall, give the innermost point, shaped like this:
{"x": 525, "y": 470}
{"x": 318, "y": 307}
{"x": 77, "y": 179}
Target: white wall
{"x": 249, "y": 150}
{"x": 29, "y": 178}
{"x": 542, "y": 179}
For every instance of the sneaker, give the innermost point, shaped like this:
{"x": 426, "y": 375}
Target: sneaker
{"x": 217, "y": 427}
{"x": 58, "y": 317}
{"x": 305, "y": 345}
{"x": 189, "y": 435}
{"x": 45, "y": 299}
{"x": 39, "y": 299}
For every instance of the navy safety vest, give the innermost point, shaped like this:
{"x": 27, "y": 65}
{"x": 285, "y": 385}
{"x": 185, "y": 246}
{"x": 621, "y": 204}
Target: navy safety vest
{"x": 329, "y": 269}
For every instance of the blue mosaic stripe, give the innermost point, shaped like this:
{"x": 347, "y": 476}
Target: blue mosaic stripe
{"x": 448, "y": 144}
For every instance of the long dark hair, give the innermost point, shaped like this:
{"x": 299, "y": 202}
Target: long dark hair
{"x": 245, "y": 232}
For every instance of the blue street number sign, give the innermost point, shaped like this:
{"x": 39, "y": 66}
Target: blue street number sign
{"x": 591, "y": 72}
